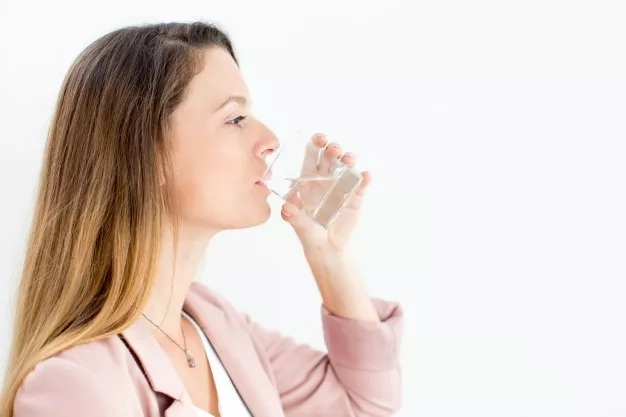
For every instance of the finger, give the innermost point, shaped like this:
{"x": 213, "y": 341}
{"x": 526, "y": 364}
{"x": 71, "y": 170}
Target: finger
{"x": 335, "y": 156}
{"x": 320, "y": 140}
{"x": 365, "y": 182}
{"x": 312, "y": 154}
{"x": 349, "y": 159}
{"x": 293, "y": 196}
{"x": 328, "y": 159}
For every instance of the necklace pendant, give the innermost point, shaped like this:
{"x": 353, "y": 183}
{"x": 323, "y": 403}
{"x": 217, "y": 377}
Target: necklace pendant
{"x": 191, "y": 362}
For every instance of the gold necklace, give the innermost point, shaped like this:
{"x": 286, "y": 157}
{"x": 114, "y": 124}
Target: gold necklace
{"x": 191, "y": 362}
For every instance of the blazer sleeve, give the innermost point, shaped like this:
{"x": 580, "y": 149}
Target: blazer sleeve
{"x": 358, "y": 377}
{"x": 58, "y": 387}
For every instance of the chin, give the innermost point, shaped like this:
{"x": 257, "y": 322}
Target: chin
{"x": 259, "y": 220}
{"x": 255, "y": 215}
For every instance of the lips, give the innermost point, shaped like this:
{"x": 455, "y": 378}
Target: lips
{"x": 261, "y": 184}
{"x": 265, "y": 177}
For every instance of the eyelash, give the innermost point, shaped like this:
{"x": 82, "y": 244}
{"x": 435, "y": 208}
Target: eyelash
{"x": 237, "y": 120}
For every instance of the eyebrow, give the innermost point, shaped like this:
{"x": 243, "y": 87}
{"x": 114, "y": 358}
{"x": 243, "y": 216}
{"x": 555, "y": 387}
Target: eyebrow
{"x": 242, "y": 100}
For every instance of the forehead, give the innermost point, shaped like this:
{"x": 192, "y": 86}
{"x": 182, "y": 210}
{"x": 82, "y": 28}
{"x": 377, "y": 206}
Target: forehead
{"x": 219, "y": 79}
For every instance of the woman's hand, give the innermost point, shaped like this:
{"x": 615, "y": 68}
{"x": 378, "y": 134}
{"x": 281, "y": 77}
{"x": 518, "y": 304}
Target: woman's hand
{"x": 342, "y": 290}
{"x": 314, "y": 237}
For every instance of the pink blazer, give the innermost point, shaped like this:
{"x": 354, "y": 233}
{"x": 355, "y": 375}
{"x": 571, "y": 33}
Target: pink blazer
{"x": 130, "y": 375}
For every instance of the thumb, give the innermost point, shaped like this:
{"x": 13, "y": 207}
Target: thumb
{"x": 294, "y": 216}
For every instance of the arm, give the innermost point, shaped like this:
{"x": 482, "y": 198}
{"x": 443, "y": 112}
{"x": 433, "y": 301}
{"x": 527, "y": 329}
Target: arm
{"x": 358, "y": 377}
{"x": 342, "y": 289}
{"x": 58, "y": 387}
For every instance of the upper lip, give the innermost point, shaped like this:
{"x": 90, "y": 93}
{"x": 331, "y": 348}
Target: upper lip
{"x": 267, "y": 174}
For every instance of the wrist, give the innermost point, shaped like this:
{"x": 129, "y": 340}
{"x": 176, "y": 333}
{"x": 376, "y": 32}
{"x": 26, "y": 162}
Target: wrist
{"x": 328, "y": 256}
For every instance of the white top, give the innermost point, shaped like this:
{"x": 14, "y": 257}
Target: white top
{"x": 230, "y": 403}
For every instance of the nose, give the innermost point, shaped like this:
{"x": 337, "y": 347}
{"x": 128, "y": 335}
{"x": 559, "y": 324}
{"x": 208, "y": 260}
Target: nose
{"x": 268, "y": 143}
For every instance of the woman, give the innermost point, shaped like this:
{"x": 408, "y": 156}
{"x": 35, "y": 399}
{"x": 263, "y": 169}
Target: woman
{"x": 152, "y": 151}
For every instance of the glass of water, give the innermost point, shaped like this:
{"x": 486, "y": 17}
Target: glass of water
{"x": 301, "y": 172}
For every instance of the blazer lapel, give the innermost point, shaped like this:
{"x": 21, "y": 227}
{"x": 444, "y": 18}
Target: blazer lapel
{"x": 237, "y": 353}
{"x": 158, "y": 369}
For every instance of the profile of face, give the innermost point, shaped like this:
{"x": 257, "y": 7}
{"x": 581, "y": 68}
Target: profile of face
{"x": 219, "y": 150}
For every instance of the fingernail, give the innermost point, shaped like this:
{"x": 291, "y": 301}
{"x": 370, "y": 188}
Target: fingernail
{"x": 285, "y": 212}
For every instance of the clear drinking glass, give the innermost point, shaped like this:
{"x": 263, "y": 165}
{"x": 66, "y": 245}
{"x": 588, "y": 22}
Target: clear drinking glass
{"x": 302, "y": 173}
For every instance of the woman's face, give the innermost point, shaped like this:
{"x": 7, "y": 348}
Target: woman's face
{"x": 219, "y": 150}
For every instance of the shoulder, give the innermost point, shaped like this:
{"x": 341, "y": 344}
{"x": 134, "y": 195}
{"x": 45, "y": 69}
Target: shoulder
{"x": 212, "y": 306}
{"x": 86, "y": 379}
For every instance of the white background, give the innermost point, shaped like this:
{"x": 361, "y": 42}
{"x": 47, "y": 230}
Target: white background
{"x": 495, "y": 133}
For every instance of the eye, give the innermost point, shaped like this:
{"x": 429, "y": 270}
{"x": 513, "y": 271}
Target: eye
{"x": 237, "y": 120}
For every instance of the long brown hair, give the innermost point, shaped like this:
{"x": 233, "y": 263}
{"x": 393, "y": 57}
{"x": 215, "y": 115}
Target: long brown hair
{"x": 90, "y": 256}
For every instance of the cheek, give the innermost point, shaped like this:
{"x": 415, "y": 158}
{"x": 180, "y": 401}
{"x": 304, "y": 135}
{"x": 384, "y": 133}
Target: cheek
{"x": 210, "y": 178}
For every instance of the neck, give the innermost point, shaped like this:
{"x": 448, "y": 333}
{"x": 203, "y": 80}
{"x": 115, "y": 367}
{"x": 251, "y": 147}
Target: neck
{"x": 174, "y": 274}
